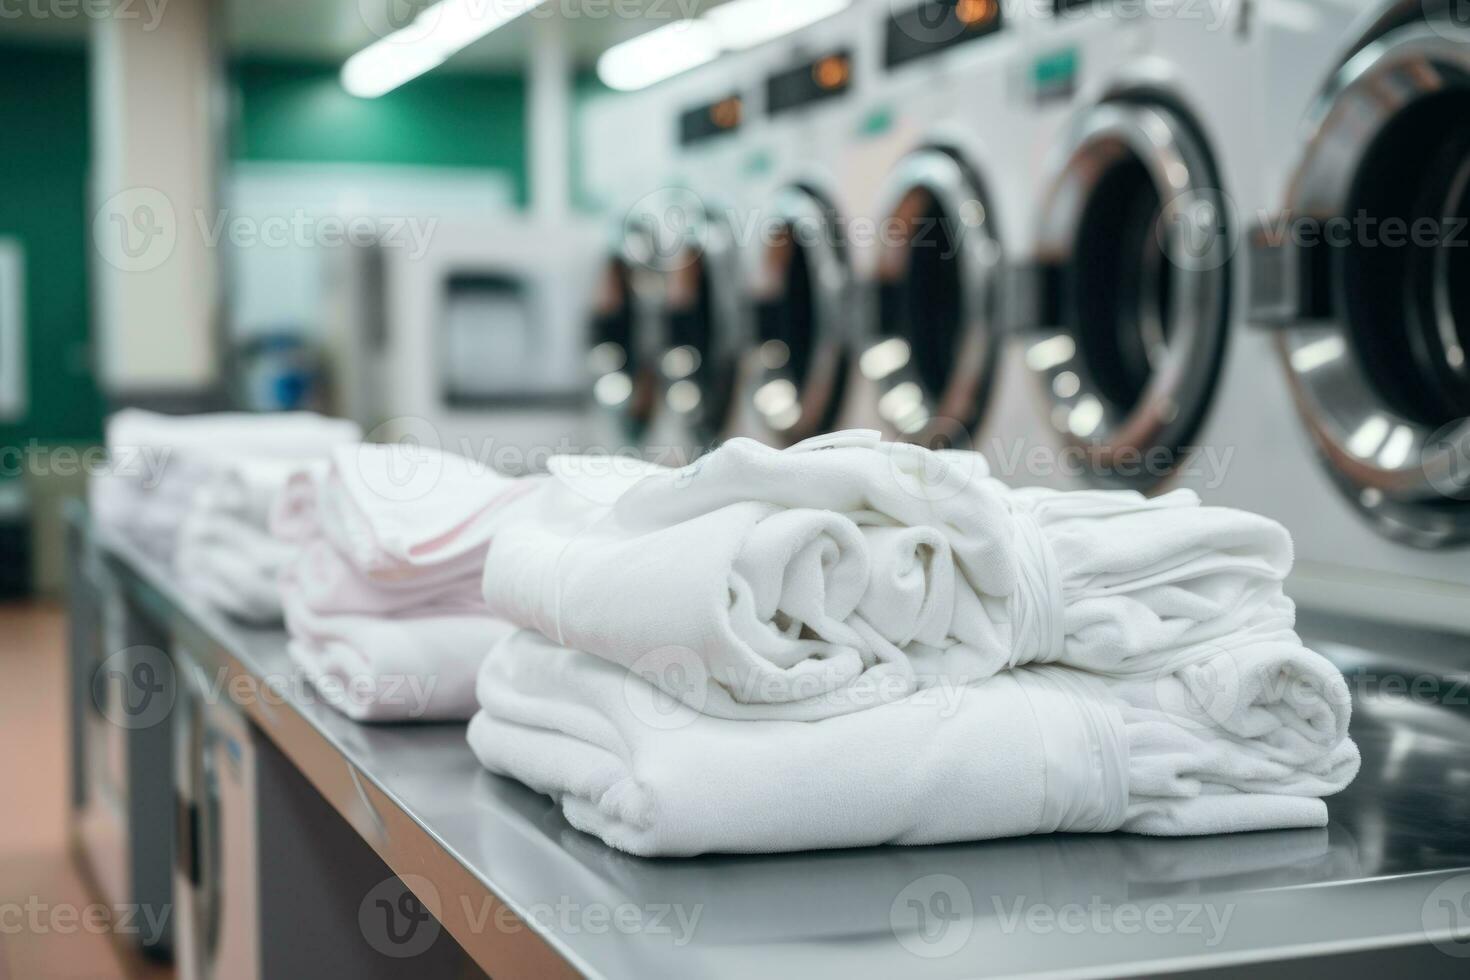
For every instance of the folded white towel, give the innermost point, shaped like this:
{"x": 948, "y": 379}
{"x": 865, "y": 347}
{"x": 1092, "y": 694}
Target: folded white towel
{"x": 391, "y": 668}
{"x": 402, "y": 510}
{"x": 1032, "y": 750}
{"x": 164, "y": 468}
{"x": 223, "y": 436}
{"x": 806, "y": 582}
{"x": 232, "y": 565}
{"x": 383, "y": 599}
{"x": 329, "y": 584}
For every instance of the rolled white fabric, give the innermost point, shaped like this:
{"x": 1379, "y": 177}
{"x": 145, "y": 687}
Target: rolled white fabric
{"x": 748, "y": 558}
{"x": 1265, "y": 716}
{"x": 1117, "y": 583}
{"x": 761, "y": 610}
{"x": 1032, "y": 750}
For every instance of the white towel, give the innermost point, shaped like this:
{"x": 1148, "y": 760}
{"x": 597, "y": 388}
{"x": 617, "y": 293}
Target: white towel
{"x": 391, "y": 668}
{"x": 232, "y": 565}
{"x": 805, "y": 582}
{"x": 1032, "y": 750}
{"x": 383, "y": 599}
{"x": 402, "y": 510}
{"x": 163, "y": 469}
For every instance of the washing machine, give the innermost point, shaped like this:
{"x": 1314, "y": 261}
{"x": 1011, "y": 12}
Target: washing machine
{"x": 935, "y": 278}
{"x": 701, "y": 322}
{"x": 1144, "y": 141}
{"x": 620, "y": 344}
{"x": 1360, "y": 354}
{"x": 804, "y": 189}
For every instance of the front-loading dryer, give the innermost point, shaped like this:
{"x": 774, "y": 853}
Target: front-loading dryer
{"x": 805, "y": 196}
{"x": 1133, "y": 290}
{"x": 1363, "y": 290}
{"x": 935, "y": 283}
{"x": 702, "y": 328}
{"x": 621, "y": 346}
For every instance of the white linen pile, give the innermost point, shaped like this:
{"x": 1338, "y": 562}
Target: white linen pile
{"x": 852, "y": 642}
{"x": 382, "y": 599}
{"x": 195, "y": 491}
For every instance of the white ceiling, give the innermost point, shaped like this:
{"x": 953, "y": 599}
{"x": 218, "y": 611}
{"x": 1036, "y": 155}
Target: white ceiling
{"x": 331, "y": 30}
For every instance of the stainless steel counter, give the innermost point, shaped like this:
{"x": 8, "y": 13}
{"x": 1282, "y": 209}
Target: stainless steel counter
{"x": 526, "y": 895}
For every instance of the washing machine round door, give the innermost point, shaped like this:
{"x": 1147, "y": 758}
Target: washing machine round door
{"x": 1377, "y": 235}
{"x": 1133, "y": 296}
{"x": 620, "y": 359}
{"x": 704, "y": 334}
{"x": 932, "y": 356}
{"x": 793, "y": 376}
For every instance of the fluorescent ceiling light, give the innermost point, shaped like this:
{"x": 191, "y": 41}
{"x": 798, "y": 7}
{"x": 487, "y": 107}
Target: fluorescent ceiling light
{"x": 437, "y": 33}
{"x": 676, "y": 48}
{"x": 671, "y": 50}
{"x": 747, "y": 23}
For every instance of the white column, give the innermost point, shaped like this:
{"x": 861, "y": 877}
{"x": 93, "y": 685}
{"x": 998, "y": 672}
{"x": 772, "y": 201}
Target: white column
{"x": 156, "y": 147}
{"x": 549, "y": 117}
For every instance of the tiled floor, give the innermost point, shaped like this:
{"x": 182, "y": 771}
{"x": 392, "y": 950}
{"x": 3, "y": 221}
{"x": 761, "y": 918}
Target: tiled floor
{"x": 43, "y": 899}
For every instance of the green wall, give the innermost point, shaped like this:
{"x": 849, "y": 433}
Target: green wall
{"x": 44, "y": 136}
{"x": 300, "y": 113}
{"x": 287, "y": 112}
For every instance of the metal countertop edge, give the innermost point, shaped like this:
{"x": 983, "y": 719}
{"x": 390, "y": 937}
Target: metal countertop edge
{"x": 408, "y": 847}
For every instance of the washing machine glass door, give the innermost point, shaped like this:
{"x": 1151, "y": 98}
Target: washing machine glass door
{"x": 1133, "y": 297}
{"x": 705, "y": 334}
{"x": 792, "y": 380}
{"x": 623, "y": 380}
{"x": 1376, "y": 235}
{"x": 932, "y": 355}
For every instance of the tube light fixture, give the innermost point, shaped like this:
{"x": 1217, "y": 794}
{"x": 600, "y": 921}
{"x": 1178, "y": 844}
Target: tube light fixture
{"x": 746, "y": 24}
{"x": 679, "y": 47}
{"x": 438, "y": 32}
{"x": 662, "y": 53}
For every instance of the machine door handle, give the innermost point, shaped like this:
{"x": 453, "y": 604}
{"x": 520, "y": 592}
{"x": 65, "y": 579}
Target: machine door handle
{"x": 187, "y": 853}
{"x": 1034, "y": 297}
{"x": 1290, "y": 259}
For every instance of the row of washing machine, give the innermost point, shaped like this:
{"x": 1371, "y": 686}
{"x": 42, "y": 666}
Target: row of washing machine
{"x": 1217, "y": 245}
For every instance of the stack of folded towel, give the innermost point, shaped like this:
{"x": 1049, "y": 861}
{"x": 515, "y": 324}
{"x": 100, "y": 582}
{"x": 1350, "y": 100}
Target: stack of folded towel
{"x": 194, "y": 492}
{"x": 852, "y": 642}
{"x": 382, "y": 598}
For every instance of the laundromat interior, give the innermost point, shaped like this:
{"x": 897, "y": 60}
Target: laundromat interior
{"x": 734, "y": 488}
